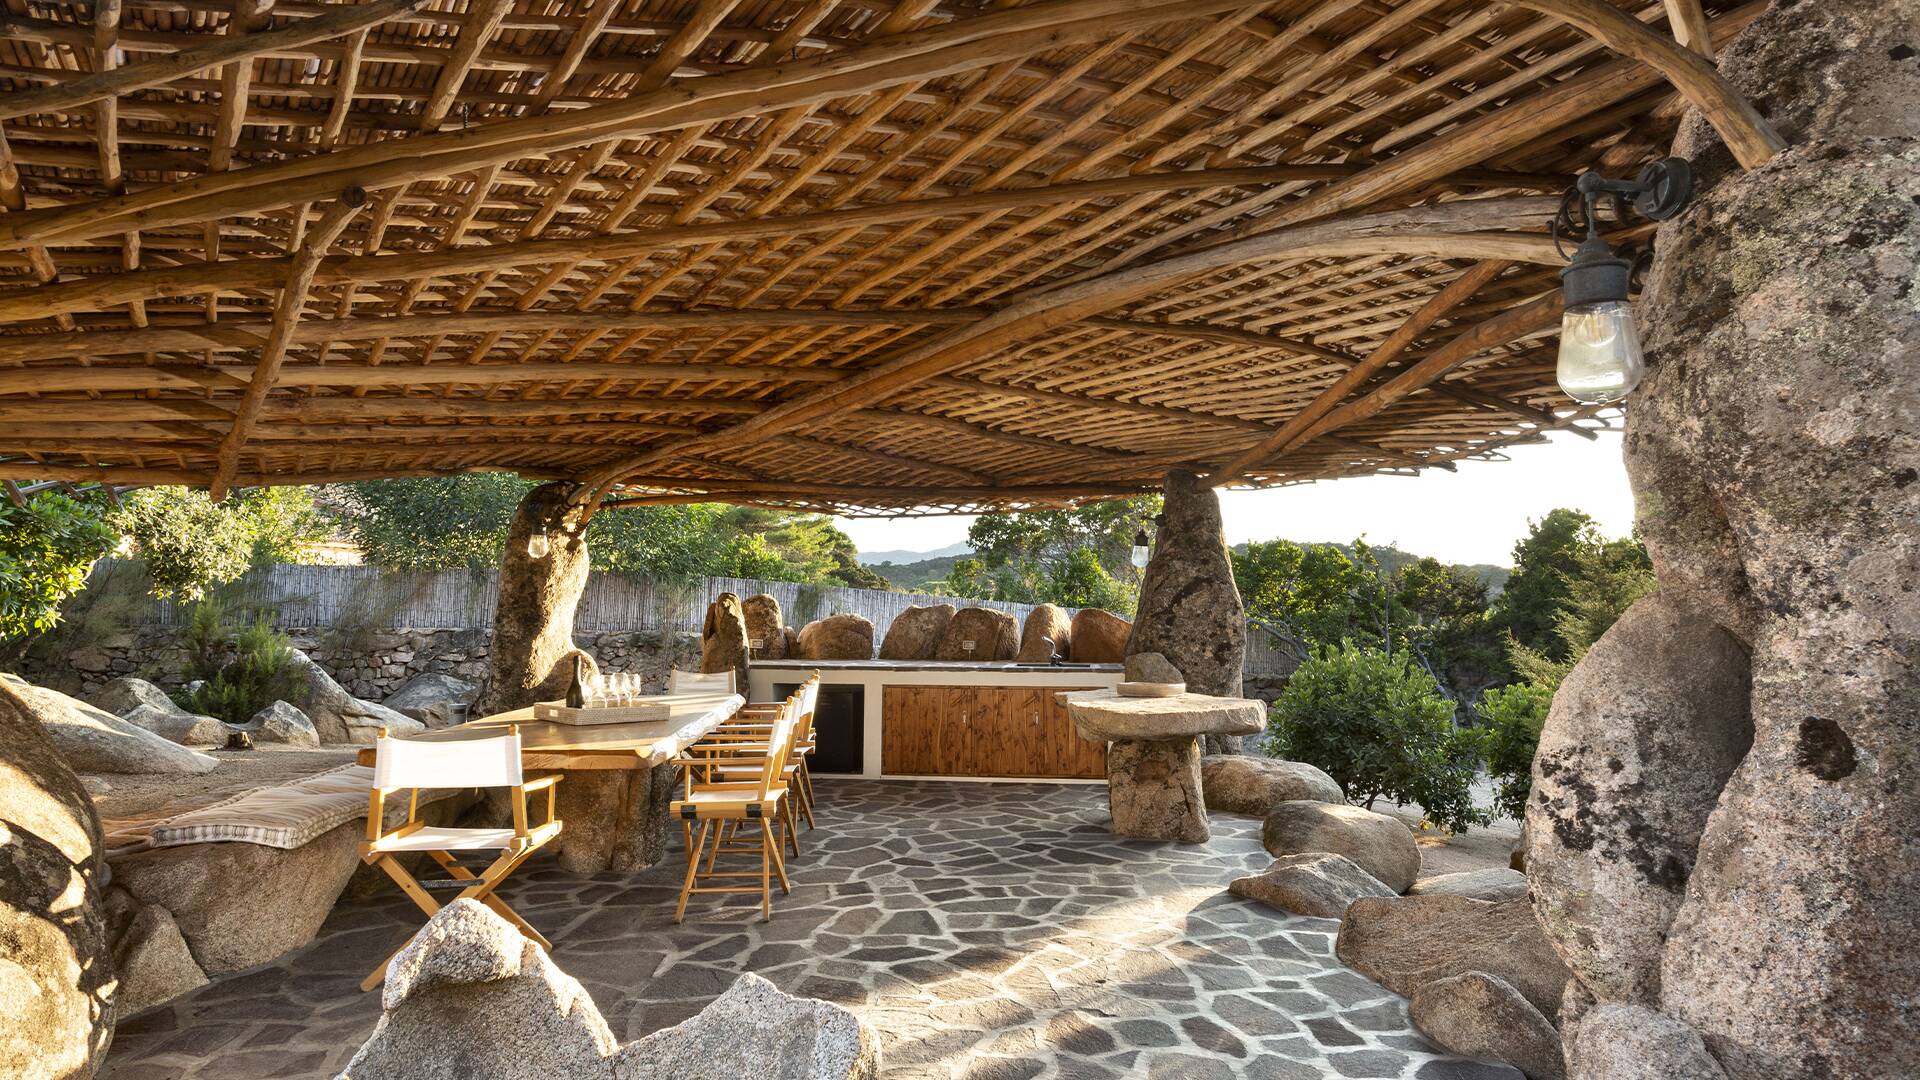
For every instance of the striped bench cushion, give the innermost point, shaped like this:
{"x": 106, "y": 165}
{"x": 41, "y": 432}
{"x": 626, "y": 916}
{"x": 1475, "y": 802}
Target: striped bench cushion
{"x": 284, "y": 816}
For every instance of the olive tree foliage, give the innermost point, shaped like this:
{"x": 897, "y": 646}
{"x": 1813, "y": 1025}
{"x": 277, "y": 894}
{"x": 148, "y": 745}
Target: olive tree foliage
{"x": 1075, "y": 558}
{"x": 461, "y": 522}
{"x": 191, "y": 544}
{"x": 46, "y": 549}
{"x": 1381, "y": 728}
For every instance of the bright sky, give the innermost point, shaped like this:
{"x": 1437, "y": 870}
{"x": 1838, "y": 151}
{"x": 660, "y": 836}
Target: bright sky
{"x": 1472, "y": 516}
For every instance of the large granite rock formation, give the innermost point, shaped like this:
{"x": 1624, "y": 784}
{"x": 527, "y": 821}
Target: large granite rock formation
{"x": 96, "y": 742}
{"x": 766, "y": 625}
{"x": 1632, "y": 1042}
{"x": 338, "y": 716}
{"x": 1242, "y": 784}
{"x": 1380, "y": 844}
{"x": 1047, "y": 633}
{"x": 837, "y": 637}
{"x": 282, "y": 723}
{"x": 1405, "y": 942}
{"x": 56, "y": 970}
{"x": 979, "y": 634}
{"x": 1098, "y": 637}
{"x": 241, "y": 905}
{"x": 178, "y": 725}
{"x": 1640, "y": 740}
{"x": 129, "y": 692}
{"x": 916, "y": 632}
{"x": 756, "y": 1030}
{"x": 1320, "y": 884}
{"x": 533, "y": 617}
{"x": 1495, "y": 883}
{"x": 1189, "y": 608}
{"x": 430, "y": 697}
{"x": 470, "y": 998}
{"x": 1478, "y": 1015}
{"x": 151, "y": 958}
{"x": 1774, "y": 453}
{"x": 723, "y": 638}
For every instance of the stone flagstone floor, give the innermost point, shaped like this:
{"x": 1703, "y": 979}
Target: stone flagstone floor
{"x": 988, "y": 931}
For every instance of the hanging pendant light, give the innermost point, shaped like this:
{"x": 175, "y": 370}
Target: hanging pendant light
{"x": 1141, "y": 548}
{"x": 1601, "y": 360}
{"x": 538, "y": 545}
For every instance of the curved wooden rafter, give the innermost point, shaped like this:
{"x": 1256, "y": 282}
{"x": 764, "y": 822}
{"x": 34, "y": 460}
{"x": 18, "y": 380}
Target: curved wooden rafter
{"x": 1748, "y": 134}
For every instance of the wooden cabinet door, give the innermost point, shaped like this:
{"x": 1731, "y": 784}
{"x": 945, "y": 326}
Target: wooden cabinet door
{"x": 971, "y": 735}
{"x": 1073, "y": 756}
{"x": 912, "y": 719}
{"x": 1025, "y": 744}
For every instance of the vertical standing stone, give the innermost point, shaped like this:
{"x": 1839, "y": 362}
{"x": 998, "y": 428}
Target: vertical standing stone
{"x": 1775, "y": 457}
{"x": 723, "y": 639}
{"x": 1153, "y": 789}
{"x": 1190, "y": 609}
{"x": 533, "y": 617}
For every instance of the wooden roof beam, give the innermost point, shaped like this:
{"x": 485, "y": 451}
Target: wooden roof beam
{"x": 293, "y": 301}
{"x": 917, "y": 56}
{"x": 230, "y": 49}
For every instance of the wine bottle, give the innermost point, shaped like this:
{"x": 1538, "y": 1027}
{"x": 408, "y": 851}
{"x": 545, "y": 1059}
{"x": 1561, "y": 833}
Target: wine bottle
{"x": 577, "y": 690}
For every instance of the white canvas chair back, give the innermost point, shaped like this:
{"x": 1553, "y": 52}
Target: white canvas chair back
{"x": 779, "y": 747}
{"x": 694, "y": 682}
{"x": 453, "y": 763}
{"x": 809, "y": 695}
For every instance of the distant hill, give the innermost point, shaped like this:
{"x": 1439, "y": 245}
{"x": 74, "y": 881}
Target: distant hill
{"x": 872, "y": 558}
{"x": 915, "y": 574}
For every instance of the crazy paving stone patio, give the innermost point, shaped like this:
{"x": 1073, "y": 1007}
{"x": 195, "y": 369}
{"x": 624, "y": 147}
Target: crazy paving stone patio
{"x": 987, "y": 930}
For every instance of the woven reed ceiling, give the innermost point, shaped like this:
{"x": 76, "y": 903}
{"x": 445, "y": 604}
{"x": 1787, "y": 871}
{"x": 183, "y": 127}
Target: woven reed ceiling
{"x": 854, "y": 255}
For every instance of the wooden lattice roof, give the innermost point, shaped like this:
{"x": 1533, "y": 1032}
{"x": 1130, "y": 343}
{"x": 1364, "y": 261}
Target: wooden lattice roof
{"x": 843, "y": 254}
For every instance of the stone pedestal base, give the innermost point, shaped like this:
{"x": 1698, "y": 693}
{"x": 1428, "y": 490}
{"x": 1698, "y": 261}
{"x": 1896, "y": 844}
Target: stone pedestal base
{"x": 1153, "y": 789}
{"x": 614, "y": 819}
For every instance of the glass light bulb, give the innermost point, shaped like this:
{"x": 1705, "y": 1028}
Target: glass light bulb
{"x": 1600, "y": 357}
{"x": 538, "y": 545}
{"x": 1140, "y": 556}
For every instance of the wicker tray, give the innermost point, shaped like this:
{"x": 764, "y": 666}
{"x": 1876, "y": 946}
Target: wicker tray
{"x": 620, "y": 714}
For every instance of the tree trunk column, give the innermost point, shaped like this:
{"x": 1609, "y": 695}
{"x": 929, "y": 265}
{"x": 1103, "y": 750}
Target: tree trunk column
{"x": 1190, "y": 608}
{"x": 533, "y": 615}
{"x": 1776, "y": 468}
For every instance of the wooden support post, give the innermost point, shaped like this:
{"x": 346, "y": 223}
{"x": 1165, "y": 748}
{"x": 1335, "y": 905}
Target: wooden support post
{"x": 293, "y": 298}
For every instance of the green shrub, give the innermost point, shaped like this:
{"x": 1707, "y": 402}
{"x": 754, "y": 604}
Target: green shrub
{"x": 46, "y": 549}
{"x": 240, "y": 672}
{"x": 1379, "y": 727}
{"x": 1512, "y": 717}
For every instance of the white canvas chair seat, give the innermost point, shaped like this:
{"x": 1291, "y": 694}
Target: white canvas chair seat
{"x": 435, "y": 838}
{"x": 473, "y": 759}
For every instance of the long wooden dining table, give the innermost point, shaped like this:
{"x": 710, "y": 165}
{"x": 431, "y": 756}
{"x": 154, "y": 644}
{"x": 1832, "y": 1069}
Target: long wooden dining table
{"x": 618, "y": 783}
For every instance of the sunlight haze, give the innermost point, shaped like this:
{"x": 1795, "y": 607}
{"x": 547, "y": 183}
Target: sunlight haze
{"x": 1472, "y": 516}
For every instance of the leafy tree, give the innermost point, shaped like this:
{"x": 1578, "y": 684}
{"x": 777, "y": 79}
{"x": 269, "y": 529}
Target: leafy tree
{"x": 1512, "y": 717}
{"x": 1309, "y": 596}
{"x": 1077, "y": 558}
{"x": 191, "y": 544}
{"x": 1380, "y": 727}
{"x": 1543, "y": 562}
{"x": 46, "y": 549}
{"x": 430, "y": 523}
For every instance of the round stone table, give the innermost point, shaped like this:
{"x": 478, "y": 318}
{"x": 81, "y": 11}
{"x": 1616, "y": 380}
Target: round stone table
{"x": 1153, "y": 762}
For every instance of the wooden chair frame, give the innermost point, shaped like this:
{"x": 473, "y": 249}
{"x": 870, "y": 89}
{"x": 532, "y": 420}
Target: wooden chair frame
{"x": 760, "y": 801}
{"x": 521, "y": 846}
{"x": 747, "y": 731}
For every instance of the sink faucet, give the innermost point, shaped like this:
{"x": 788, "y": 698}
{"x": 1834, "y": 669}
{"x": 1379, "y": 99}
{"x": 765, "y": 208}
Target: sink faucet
{"x": 1054, "y": 658}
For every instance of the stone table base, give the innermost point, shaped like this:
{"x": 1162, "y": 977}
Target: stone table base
{"x": 1153, "y": 789}
{"x": 612, "y": 819}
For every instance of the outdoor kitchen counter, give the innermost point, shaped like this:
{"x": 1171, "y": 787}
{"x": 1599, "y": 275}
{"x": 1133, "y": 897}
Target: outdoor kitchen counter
{"x": 944, "y": 719}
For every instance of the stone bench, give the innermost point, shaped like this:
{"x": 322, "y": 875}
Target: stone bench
{"x": 1153, "y": 760}
{"x": 242, "y": 881}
